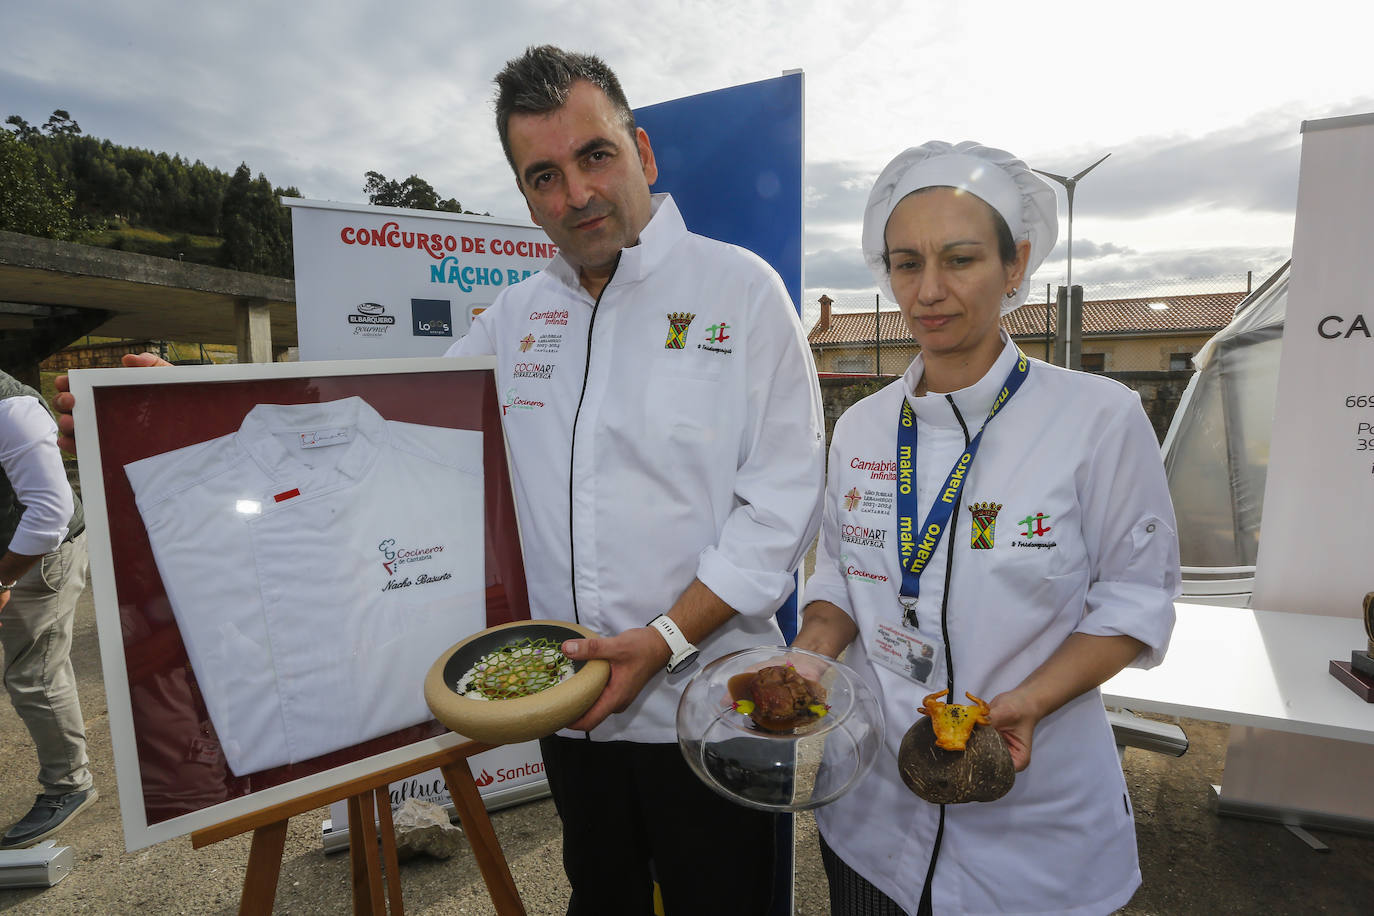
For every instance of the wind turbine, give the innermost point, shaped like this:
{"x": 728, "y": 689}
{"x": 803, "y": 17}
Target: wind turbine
{"x": 1069, "y": 184}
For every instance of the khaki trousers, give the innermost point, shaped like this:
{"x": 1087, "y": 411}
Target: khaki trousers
{"x": 36, "y": 633}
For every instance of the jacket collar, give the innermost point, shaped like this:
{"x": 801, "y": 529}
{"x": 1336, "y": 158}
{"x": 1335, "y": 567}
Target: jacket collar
{"x": 974, "y": 402}
{"x": 369, "y": 433}
{"x": 664, "y": 230}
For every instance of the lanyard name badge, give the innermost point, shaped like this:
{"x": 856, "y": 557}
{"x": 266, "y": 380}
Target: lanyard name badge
{"x": 922, "y": 654}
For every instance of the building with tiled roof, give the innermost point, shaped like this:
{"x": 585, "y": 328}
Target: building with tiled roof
{"x": 1153, "y": 334}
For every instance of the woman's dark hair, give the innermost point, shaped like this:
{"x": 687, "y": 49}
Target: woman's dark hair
{"x": 539, "y": 81}
{"x": 1006, "y": 245}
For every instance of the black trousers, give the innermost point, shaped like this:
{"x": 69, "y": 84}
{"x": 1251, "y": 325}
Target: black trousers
{"x": 851, "y": 894}
{"x": 629, "y": 807}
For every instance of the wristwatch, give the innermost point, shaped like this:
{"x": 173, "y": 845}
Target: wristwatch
{"x": 684, "y": 653}
{"x": 8, "y": 586}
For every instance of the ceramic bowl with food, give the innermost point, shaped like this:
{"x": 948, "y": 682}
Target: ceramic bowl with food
{"x": 510, "y": 683}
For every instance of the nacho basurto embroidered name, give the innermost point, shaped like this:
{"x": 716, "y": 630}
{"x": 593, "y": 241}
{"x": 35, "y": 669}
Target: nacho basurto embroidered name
{"x": 421, "y": 579}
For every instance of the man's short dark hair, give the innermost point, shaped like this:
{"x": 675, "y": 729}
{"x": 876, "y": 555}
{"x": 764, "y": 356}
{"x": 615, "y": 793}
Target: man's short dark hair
{"x": 539, "y": 81}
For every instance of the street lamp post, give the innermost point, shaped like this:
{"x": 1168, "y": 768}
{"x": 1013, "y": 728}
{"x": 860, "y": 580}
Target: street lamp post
{"x": 1073, "y": 328}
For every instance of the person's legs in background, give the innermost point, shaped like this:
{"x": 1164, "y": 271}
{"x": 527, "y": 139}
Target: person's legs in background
{"x": 36, "y": 635}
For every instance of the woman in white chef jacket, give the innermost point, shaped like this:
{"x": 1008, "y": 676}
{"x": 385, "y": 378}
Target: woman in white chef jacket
{"x": 1040, "y": 559}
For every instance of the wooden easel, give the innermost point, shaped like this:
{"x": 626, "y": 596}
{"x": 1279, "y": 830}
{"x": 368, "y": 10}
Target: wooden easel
{"x": 366, "y": 795}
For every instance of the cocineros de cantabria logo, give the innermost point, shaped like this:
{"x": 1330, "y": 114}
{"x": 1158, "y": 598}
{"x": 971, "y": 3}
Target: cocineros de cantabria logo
{"x": 394, "y": 557}
{"x": 863, "y": 575}
{"x": 513, "y": 401}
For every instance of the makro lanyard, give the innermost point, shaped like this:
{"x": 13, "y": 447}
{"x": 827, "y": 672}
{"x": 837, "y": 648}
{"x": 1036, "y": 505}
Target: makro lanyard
{"x": 918, "y": 547}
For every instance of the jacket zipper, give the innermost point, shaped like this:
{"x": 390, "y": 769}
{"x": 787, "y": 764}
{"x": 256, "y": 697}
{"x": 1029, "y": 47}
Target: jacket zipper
{"x": 572, "y": 443}
{"x": 926, "y": 907}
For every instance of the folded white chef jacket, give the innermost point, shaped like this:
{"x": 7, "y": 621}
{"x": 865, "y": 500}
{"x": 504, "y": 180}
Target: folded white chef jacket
{"x": 317, "y": 561}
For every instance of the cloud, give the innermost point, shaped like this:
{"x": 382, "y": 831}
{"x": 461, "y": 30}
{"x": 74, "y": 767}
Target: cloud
{"x": 836, "y": 193}
{"x": 837, "y": 270}
{"x": 1089, "y": 250}
{"x": 1248, "y": 166}
{"x": 314, "y": 95}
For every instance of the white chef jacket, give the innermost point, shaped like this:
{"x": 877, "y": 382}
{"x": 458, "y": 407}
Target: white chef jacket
{"x": 639, "y": 464}
{"x": 316, "y": 560}
{"x": 1083, "y": 542}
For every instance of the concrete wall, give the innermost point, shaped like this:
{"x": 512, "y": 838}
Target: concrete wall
{"x": 1140, "y": 354}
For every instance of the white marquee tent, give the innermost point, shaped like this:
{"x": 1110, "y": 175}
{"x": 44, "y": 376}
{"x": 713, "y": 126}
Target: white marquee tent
{"x": 1216, "y": 452}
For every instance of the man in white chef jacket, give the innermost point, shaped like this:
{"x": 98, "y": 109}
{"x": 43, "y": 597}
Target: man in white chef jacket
{"x": 668, "y": 463}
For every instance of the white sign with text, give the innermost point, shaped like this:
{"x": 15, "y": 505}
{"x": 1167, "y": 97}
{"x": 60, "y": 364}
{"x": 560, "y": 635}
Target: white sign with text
{"x": 385, "y": 281}
{"x": 1319, "y": 493}
{"x": 505, "y": 775}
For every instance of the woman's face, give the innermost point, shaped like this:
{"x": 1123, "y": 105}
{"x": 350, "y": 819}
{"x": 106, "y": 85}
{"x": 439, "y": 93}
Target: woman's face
{"x": 947, "y": 274}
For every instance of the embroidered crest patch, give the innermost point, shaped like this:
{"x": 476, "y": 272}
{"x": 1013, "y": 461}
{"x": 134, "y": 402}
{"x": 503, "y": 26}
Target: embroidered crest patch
{"x": 984, "y": 524}
{"x": 678, "y": 322}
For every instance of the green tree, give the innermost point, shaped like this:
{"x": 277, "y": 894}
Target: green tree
{"x": 22, "y": 129}
{"x": 414, "y": 193}
{"x": 98, "y": 183}
{"x": 60, "y": 124}
{"x": 256, "y": 228}
{"x": 32, "y": 199}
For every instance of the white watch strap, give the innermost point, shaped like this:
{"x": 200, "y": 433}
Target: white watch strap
{"x": 677, "y": 643}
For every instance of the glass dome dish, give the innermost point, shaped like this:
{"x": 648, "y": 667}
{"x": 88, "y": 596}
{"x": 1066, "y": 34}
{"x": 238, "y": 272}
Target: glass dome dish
{"x": 779, "y": 767}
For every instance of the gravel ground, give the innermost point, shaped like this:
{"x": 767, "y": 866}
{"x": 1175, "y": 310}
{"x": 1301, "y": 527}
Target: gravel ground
{"x": 1192, "y": 860}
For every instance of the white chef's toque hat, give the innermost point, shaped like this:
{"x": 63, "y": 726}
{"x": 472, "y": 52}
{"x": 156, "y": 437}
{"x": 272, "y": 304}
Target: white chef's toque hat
{"x": 1024, "y": 199}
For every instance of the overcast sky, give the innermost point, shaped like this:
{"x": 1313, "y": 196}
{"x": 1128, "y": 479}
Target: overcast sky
{"x": 1199, "y": 103}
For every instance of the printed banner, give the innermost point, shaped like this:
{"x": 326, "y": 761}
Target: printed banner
{"x": 505, "y": 775}
{"x": 385, "y": 282}
{"x": 1319, "y": 494}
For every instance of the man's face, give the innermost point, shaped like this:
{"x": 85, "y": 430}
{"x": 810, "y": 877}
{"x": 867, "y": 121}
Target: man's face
{"x": 585, "y": 179}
